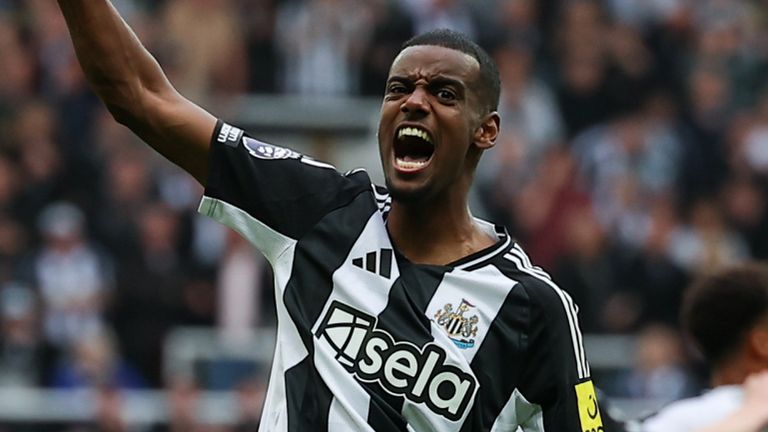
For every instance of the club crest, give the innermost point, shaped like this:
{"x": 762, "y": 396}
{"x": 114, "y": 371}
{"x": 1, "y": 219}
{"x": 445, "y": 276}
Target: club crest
{"x": 460, "y": 328}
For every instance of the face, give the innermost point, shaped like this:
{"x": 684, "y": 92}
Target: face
{"x": 432, "y": 128}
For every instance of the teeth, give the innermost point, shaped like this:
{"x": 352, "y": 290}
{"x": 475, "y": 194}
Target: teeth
{"x": 414, "y": 132}
{"x": 410, "y": 164}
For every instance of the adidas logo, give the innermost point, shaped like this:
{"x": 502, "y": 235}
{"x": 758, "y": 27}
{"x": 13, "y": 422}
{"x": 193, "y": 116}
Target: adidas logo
{"x": 377, "y": 262}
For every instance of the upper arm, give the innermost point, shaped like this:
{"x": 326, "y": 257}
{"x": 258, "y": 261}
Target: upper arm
{"x": 134, "y": 88}
{"x": 254, "y": 186}
{"x": 175, "y": 127}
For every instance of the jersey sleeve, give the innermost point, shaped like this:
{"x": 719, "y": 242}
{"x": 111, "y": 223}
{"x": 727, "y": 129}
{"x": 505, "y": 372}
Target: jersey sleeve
{"x": 269, "y": 194}
{"x": 668, "y": 420}
{"x": 556, "y": 376}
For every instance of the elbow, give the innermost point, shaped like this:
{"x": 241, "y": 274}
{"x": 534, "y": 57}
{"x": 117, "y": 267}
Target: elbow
{"x": 133, "y": 117}
{"x": 120, "y": 101}
{"x": 131, "y": 99}
{"x": 121, "y": 97}
{"x": 127, "y": 106}
{"x": 130, "y": 117}
{"x": 125, "y": 117}
{"x": 143, "y": 112}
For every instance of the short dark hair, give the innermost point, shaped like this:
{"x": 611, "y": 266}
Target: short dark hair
{"x": 490, "y": 83}
{"x": 720, "y": 309}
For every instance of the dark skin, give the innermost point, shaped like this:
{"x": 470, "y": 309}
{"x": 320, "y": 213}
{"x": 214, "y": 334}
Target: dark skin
{"x": 133, "y": 87}
{"x": 431, "y": 88}
{"x": 435, "y": 89}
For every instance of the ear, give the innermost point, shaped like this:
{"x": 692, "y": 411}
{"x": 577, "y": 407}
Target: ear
{"x": 488, "y": 131}
{"x": 758, "y": 342}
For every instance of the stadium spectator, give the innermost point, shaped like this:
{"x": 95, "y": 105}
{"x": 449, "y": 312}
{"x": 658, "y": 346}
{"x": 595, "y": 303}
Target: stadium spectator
{"x": 581, "y": 66}
{"x": 198, "y": 61}
{"x": 746, "y": 211}
{"x": 17, "y": 67}
{"x": 149, "y": 295}
{"x": 704, "y": 122}
{"x": 94, "y": 362}
{"x": 751, "y": 140}
{"x": 13, "y": 246}
{"x": 23, "y": 355}
{"x": 518, "y": 20}
{"x": 650, "y": 277}
{"x": 39, "y": 159}
{"x": 74, "y": 278}
{"x": 626, "y": 165}
{"x": 10, "y": 186}
{"x": 321, "y": 43}
{"x": 392, "y": 25}
{"x": 543, "y": 222}
{"x": 262, "y": 58}
{"x": 451, "y": 14}
{"x": 183, "y": 407}
{"x": 124, "y": 192}
{"x": 110, "y": 416}
{"x": 240, "y": 289}
{"x": 660, "y": 372}
{"x": 250, "y": 398}
{"x": 706, "y": 243}
{"x": 534, "y": 124}
{"x": 587, "y": 268}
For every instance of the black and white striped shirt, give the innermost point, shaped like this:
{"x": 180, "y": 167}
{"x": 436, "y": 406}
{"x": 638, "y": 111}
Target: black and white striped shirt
{"x": 370, "y": 341}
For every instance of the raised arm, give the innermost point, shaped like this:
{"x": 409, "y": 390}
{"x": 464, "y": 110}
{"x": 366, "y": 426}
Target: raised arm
{"x": 135, "y": 89}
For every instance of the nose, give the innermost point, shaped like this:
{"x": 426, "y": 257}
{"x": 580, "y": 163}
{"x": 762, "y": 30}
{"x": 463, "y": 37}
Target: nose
{"x": 416, "y": 103}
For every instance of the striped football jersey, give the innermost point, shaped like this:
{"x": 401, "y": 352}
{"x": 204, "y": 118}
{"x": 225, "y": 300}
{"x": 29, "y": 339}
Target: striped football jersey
{"x": 368, "y": 341}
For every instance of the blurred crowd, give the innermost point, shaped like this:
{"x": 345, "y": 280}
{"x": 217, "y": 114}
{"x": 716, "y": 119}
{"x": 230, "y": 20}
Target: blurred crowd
{"x": 633, "y": 158}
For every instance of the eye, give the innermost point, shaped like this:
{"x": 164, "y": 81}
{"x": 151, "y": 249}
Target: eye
{"x": 446, "y": 95}
{"x": 396, "y": 88}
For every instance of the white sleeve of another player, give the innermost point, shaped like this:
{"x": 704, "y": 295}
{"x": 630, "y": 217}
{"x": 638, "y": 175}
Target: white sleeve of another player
{"x": 691, "y": 414}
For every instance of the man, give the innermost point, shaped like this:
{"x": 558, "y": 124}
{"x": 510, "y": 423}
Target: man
{"x": 397, "y": 309}
{"x": 726, "y": 315}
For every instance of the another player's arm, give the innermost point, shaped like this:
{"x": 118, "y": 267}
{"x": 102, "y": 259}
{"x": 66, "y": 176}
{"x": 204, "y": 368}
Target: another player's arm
{"x": 752, "y": 416}
{"x": 135, "y": 89}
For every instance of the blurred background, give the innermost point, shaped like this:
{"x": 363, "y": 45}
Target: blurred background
{"x": 633, "y": 158}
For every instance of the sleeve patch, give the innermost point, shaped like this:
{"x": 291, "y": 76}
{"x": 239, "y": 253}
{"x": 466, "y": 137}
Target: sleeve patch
{"x": 589, "y": 412}
{"x": 229, "y": 135}
{"x": 266, "y": 151}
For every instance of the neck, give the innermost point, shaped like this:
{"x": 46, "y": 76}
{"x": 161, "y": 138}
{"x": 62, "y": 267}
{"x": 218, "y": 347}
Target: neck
{"x": 734, "y": 372}
{"x": 428, "y": 233}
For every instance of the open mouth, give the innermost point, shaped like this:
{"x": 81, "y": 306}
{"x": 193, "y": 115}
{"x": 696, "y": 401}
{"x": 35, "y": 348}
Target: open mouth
{"x": 413, "y": 148}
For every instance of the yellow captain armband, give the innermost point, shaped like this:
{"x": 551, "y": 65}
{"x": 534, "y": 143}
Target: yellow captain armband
{"x": 589, "y": 412}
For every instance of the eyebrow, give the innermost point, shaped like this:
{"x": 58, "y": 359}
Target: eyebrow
{"x": 437, "y": 82}
{"x": 444, "y": 81}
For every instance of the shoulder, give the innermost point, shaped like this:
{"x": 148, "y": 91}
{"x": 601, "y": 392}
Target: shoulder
{"x": 539, "y": 288}
{"x": 552, "y": 314}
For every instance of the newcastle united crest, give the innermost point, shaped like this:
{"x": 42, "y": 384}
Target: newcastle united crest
{"x": 460, "y": 328}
